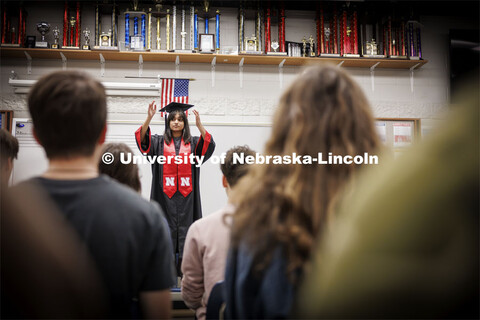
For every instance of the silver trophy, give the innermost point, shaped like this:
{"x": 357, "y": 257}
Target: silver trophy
{"x": 86, "y": 34}
{"x": 42, "y": 27}
{"x": 56, "y": 36}
{"x": 275, "y": 45}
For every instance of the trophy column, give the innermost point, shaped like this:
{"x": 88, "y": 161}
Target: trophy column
{"x": 174, "y": 27}
{"x": 258, "y": 28}
{"x": 217, "y": 30}
{"x": 349, "y": 27}
{"x": 195, "y": 31}
{"x": 183, "y": 33}
{"x": 11, "y": 36}
{"x": 107, "y": 40}
{"x": 137, "y": 41}
{"x": 320, "y": 28}
{"x": 158, "y": 14}
{"x": 241, "y": 28}
{"x": 71, "y": 26}
{"x": 281, "y": 27}
{"x": 168, "y": 29}
{"x": 149, "y": 32}
{"x": 192, "y": 28}
{"x": 268, "y": 26}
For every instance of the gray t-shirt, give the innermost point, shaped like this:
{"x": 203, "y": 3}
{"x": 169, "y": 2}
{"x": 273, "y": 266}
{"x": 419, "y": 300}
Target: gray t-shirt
{"x": 126, "y": 235}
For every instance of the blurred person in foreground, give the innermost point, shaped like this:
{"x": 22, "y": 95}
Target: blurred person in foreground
{"x": 124, "y": 233}
{"x": 407, "y": 244}
{"x": 8, "y": 152}
{"x": 125, "y": 173}
{"x": 206, "y": 245}
{"x": 283, "y": 208}
{"x": 46, "y": 272}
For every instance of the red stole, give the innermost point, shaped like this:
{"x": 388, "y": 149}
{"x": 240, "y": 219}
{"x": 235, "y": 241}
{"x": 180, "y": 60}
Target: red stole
{"x": 177, "y": 176}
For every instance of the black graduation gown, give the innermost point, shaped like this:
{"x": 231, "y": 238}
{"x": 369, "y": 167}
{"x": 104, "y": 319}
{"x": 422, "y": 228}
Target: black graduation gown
{"x": 180, "y": 211}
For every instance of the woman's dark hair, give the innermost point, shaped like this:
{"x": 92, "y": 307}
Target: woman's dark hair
{"x": 186, "y": 128}
{"x": 126, "y": 174}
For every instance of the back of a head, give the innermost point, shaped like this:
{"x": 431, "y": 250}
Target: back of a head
{"x": 232, "y": 169}
{"x": 323, "y": 111}
{"x": 69, "y": 112}
{"x": 126, "y": 174}
{"x": 8, "y": 146}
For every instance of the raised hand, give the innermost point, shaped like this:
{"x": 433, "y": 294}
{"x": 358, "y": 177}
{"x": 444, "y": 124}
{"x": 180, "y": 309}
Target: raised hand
{"x": 152, "y": 109}
{"x": 199, "y": 124}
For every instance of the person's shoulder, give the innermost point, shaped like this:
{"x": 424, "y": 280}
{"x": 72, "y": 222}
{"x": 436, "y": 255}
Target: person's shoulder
{"x": 214, "y": 219}
{"x": 118, "y": 195}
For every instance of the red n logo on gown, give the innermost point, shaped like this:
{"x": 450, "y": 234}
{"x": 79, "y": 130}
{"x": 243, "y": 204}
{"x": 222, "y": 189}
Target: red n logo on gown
{"x": 172, "y": 171}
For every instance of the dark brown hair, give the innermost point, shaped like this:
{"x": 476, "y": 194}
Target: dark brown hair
{"x": 69, "y": 112}
{"x": 288, "y": 206}
{"x": 234, "y": 171}
{"x": 186, "y": 128}
{"x": 123, "y": 173}
{"x": 8, "y": 146}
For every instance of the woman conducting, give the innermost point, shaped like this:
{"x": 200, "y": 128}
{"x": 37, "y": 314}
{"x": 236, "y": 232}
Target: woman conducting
{"x": 176, "y": 186}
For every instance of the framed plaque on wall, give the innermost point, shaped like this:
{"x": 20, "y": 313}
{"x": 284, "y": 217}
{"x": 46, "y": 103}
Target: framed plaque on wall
{"x": 6, "y": 117}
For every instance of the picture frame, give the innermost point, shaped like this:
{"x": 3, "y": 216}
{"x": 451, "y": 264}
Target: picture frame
{"x": 206, "y": 43}
{"x": 6, "y": 117}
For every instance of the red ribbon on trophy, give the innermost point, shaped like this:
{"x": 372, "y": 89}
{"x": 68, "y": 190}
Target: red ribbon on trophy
{"x": 281, "y": 27}
{"x": 77, "y": 26}
{"x": 335, "y": 30}
{"x": 65, "y": 25}
{"x": 268, "y": 26}
{"x": 355, "y": 35}
{"x": 71, "y": 27}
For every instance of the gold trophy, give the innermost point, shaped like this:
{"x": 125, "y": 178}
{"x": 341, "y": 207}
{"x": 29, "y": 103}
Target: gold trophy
{"x": 158, "y": 14}
{"x": 304, "y": 41}
{"x": 312, "y": 49}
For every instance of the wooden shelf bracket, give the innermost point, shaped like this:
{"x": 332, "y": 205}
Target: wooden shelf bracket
{"x": 64, "y": 61}
{"x": 29, "y": 62}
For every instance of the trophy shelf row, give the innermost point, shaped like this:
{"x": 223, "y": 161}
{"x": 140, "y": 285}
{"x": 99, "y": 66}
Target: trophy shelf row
{"x": 208, "y": 58}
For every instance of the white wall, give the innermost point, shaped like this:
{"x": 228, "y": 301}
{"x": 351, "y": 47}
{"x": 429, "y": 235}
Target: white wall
{"x": 227, "y": 102}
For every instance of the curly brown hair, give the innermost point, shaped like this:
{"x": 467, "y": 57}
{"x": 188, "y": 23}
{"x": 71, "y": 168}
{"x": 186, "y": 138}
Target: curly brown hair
{"x": 324, "y": 110}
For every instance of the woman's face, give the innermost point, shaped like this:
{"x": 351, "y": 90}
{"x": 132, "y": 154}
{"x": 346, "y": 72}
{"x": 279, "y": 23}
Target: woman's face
{"x": 177, "y": 124}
